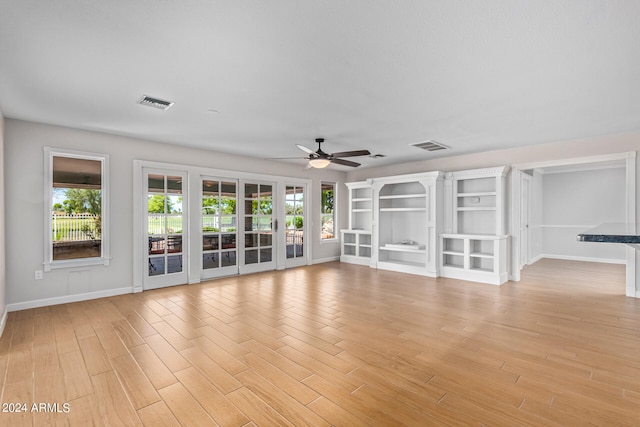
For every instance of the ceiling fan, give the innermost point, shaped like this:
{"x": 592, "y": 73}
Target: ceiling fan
{"x": 319, "y": 159}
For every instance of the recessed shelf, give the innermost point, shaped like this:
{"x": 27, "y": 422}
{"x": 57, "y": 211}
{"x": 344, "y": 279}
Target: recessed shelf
{"x": 362, "y": 199}
{"x": 408, "y": 250}
{"x": 402, "y": 196}
{"x": 478, "y": 208}
{"x": 403, "y": 209}
{"x": 480, "y": 255}
{"x": 478, "y": 194}
{"x": 454, "y": 253}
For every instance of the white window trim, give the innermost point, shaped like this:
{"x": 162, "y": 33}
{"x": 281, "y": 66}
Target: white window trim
{"x": 334, "y": 239}
{"x": 49, "y": 264}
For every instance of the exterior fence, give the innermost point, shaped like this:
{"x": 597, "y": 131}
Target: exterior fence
{"x": 75, "y": 227}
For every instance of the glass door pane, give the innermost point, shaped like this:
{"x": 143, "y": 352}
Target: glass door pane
{"x": 258, "y": 226}
{"x": 219, "y": 227}
{"x": 294, "y": 209}
{"x": 165, "y": 230}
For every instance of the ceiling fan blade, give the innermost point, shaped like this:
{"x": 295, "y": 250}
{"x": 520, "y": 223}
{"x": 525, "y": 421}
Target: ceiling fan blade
{"x": 352, "y": 153}
{"x": 305, "y": 149}
{"x": 285, "y": 158}
{"x": 345, "y": 162}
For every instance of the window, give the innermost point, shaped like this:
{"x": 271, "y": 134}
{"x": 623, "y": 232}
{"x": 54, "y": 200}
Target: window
{"x": 76, "y": 214}
{"x": 327, "y": 216}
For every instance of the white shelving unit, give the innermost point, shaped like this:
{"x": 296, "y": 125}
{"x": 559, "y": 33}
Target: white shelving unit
{"x": 475, "y": 241}
{"x": 476, "y": 257}
{"x": 406, "y": 222}
{"x": 478, "y": 201}
{"x": 356, "y": 240}
{"x": 356, "y": 247}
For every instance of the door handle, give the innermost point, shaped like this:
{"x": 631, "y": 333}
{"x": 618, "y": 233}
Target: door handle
{"x": 276, "y": 226}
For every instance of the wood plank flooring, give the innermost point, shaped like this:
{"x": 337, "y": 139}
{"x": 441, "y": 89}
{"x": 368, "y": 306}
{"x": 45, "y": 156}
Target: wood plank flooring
{"x": 334, "y": 344}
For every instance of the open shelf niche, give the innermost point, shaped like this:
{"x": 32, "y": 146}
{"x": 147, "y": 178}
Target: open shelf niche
{"x": 474, "y": 245}
{"x": 406, "y": 222}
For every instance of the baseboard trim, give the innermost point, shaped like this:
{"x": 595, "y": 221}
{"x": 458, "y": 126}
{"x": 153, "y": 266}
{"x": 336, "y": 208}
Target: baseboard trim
{"x": 536, "y": 259}
{"x": 323, "y": 260}
{"x": 3, "y": 321}
{"x": 67, "y": 299}
{"x": 585, "y": 259}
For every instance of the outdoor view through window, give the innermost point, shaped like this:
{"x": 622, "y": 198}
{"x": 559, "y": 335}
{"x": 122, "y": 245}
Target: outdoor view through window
{"x": 76, "y": 214}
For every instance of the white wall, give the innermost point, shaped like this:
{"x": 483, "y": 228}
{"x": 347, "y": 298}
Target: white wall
{"x": 3, "y": 281}
{"x": 24, "y": 143}
{"x": 576, "y": 201}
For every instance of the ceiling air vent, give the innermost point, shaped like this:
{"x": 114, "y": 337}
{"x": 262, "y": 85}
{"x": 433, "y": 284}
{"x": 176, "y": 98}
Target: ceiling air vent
{"x": 430, "y": 145}
{"x": 155, "y": 102}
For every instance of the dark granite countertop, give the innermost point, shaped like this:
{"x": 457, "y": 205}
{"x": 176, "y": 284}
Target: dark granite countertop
{"x": 614, "y": 232}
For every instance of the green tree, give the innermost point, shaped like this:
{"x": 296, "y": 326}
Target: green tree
{"x": 80, "y": 200}
{"x": 327, "y": 200}
{"x": 156, "y": 204}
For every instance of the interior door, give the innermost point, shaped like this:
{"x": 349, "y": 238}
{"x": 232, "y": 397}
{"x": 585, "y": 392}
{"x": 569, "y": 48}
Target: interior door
{"x": 165, "y": 228}
{"x": 295, "y": 225}
{"x": 219, "y": 227}
{"x": 258, "y": 245}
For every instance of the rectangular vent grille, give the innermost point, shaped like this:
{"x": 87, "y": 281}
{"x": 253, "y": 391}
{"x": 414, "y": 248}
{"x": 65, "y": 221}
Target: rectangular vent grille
{"x": 430, "y": 146}
{"x": 155, "y": 102}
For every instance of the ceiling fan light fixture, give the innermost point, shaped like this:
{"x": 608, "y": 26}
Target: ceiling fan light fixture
{"x": 319, "y": 163}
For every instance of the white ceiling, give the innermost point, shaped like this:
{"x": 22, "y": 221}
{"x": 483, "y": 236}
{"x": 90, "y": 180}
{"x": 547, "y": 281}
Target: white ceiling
{"x": 364, "y": 74}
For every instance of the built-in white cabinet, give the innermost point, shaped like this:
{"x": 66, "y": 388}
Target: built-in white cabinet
{"x": 432, "y": 224}
{"x": 406, "y": 222}
{"x": 356, "y": 246}
{"x": 476, "y": 257}
{"x": 356, "y": 240}
{"x": 394, "y": 223}
{"x": 477, "y": 201}
{"x": 475, "y": 241}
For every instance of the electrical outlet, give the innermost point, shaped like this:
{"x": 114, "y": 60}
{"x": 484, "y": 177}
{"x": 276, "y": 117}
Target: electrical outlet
{"x": 38, "y": 275}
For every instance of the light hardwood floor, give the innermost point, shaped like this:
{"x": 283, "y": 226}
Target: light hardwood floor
{"x": 336, "y": 344}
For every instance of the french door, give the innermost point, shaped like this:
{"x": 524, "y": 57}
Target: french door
{"x": 165, "y": 228}
{"x": 259, "y": 226}
{"x": 295, "y": 225}
{"x": 219, "y": 227}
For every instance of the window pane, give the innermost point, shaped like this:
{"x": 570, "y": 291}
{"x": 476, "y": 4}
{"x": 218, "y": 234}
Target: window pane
{"x": 76, "y": 210}
{"x": 174, "y": 264}
{"x": 228, "y": 241}
{"x": 251, "y": 240}
{"x": 210, "y": 260}
{"x": 210, "y": 224}
{"x": 174, "y": 244}
{"x": 156, "y": 266}
{"x": 327, "y": 216}
{"x": 210, "y": 243}
{"x": 265, "y": 239}
{"x": 250, "y": 191}
{"x": 265, "y": 192}
{"x": 228, "y": 258}
{"x": 265, "y": 255}
{"x": 228, "y": 223}
{"x": 156, "y": 183}
{"x": 251, "y": 257}
{"x": 250, "y": 223}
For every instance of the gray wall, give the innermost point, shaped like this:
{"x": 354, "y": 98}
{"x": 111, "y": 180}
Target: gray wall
{"x": 575, "y": 201}
{"x": 3, "y": 281}
{"x": 24, "y": 171}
